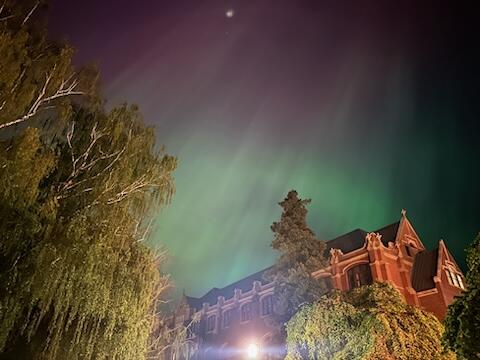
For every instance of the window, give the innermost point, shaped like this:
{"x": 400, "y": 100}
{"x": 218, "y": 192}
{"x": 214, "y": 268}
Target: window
{"x": 409, "y": 251}
{"x": 247, "y": 312}
{"x": 359, "y": 275}
{"x": 455, "y": 278}
{"x": 211, "y": 320}
{"x": 267, "y": 305}
{"x": 227, "y": 318}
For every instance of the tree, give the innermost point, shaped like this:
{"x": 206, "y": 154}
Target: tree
{"x": 301, "y": 253}
{"x": 372, "y": 322}
{"x": 77, "y": 280}
{"x": 462, "y": 322}
{"x": 36, "y": 75}
{"x": 76, "y": 196}
{"x": 172, "y": 341}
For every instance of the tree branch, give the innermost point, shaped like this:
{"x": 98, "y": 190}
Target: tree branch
{"x": 30, "y": 12}
{"x": 66, "y": 88}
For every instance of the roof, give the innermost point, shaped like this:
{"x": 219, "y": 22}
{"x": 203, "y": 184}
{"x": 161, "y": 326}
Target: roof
{"x": 346, "y": 243}
{"x": 424, "y": 270}
{"x": 356, "y": 239}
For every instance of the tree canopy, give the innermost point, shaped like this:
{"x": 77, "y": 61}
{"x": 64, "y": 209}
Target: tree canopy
{"x": 301, "y": 253}
{"x": 77, "y": 187}
{"x": 371, "y": 322}
{"x": 462, "y": 322}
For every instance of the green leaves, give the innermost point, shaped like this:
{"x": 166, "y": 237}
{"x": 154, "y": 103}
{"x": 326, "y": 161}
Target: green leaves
{"x": 76, "y": 194}
{"x": 371, "y": 322}
{"x": 463, "y": 316}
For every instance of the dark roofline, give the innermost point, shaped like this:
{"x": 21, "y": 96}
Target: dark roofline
{"x": 244, "y": 284}
{"x": 347, "y": 242}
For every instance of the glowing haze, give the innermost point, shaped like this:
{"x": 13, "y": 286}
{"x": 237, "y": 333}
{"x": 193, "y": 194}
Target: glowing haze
{"x": 365, "y": 109}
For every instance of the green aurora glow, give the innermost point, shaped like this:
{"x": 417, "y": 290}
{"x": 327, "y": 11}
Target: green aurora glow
{"x": 366, "y": 111}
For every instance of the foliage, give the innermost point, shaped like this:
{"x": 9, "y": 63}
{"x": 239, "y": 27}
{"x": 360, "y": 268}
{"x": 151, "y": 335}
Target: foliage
{"x": 300, "y": 255}
{"x": 174, "y": 341}
{"x": 371, "y": 322}
{"x": 76, "y": 280}
{"x": 462, "y": 322}
{"x": 36, "y": 75}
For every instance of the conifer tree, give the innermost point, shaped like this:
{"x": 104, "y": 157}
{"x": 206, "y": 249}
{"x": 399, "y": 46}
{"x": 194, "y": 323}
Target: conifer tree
{"x": 462, "y": 322}
{"x": 301, "y": 253}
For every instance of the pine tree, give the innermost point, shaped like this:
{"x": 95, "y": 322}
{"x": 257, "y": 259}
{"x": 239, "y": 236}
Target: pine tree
{"x": 301, "y": 253}
{"x": 462, "y": 322}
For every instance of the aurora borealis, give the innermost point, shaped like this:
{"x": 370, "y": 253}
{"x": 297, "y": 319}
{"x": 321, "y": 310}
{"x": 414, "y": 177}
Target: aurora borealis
{"x": 366, "y": 109}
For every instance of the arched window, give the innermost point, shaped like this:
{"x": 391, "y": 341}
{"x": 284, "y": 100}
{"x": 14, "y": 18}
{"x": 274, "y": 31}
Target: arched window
{"x": 211, "y": 320}
{"x": 359, "y": 275}
{"x": 267, "y": 305}
{"x": 246, "y": 312}
{"x": 227, "y": 318}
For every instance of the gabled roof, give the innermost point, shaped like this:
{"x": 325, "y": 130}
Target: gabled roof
{"x": 346, "y": 243}
{"x": 424, "y": 270}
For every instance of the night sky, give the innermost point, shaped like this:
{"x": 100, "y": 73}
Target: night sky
{"x": 365, "y": 107}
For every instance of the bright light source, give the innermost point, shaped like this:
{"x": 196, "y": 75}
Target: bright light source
{"x": 229, "y": 13}
{"x": 252, "y": 351}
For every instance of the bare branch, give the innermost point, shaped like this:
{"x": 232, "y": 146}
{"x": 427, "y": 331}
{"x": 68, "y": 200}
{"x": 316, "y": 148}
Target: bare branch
{"x": 6, "y": 17}
{"x": 146, "y": 232}
{"x": 30, "y": 13}
{"x": 18, "y": 81}
{"x": 66, "y": 88}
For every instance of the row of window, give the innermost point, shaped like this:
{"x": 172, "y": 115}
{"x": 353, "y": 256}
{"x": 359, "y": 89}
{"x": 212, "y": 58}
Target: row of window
{"x": 246, "y": 313}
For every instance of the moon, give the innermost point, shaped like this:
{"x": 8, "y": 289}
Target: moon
{"x": 229, "y": 13}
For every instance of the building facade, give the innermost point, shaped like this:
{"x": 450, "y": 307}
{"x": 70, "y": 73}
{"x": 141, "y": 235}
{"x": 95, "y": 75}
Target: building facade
{"x": 235, "y": 319}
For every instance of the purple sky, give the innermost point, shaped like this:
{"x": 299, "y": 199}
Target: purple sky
{"x": 366, "y": 107}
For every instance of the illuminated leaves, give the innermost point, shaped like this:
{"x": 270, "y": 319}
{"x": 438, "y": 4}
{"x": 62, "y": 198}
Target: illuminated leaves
{"x": 372, "y": 322}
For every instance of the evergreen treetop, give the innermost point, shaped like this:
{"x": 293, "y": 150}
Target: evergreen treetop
{"x": 301, "y": 253}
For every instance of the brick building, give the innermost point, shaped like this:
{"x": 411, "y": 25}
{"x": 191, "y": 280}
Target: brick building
{"x": 235, "y": 316}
